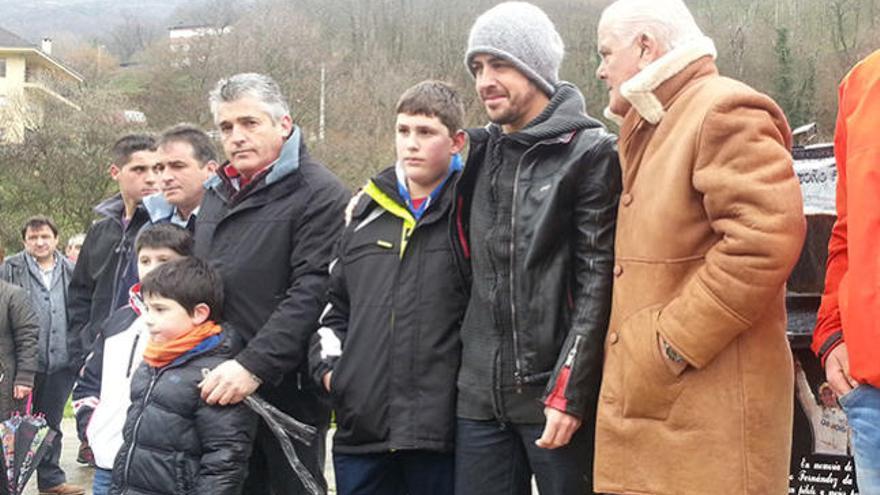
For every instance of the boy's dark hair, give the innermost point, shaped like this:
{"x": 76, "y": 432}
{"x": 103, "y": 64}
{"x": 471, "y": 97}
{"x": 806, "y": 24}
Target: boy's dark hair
{"x": 203, "y": 148}
{"x": 130, "y": 144}
{"x": 165, "y": 235}
{"x": 434, "y": 99}
{"x": 189, "y": 282}
{"x": 37, "y": 221}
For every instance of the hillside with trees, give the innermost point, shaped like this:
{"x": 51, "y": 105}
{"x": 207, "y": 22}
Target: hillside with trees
{"x": 364, "y": 53}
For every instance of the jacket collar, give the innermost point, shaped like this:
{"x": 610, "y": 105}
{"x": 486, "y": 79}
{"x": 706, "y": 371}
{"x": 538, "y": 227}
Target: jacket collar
{"x": 114, "y": 208}
{"x": 385, "y": 184}
{"x": 650, "y": 91}
{"x": 158, "y": 207}
{"x": 136, "y": 299}
{"x": 23, "y": 260}
{"x": 288, "y": 162}
{"x": 204, "y": 347}
{"x": 160, "y": 210}
{"x": 564, "y": 115}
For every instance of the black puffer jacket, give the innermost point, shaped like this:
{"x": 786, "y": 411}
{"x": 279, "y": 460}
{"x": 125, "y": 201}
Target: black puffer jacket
{"x": 394, "y": 313}
{"x": 545, "y": 321}
{"x": 272, "y": 243}
{"x": 175, "y": 443}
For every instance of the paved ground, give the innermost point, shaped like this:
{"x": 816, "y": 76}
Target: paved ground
{"x": 81, "y": 475}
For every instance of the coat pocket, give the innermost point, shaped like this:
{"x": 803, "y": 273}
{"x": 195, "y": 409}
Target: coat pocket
{"x": 649, "y": 387}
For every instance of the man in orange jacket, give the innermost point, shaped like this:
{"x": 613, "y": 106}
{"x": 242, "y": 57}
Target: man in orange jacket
{"x": 847, "y": 336}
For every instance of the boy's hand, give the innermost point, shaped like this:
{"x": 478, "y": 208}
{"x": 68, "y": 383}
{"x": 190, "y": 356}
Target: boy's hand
{"x": 558, "y": 429}
{"x": 228, "y": 383}
{"x": 326, "y": 380}
{"x": 21, "y": 391}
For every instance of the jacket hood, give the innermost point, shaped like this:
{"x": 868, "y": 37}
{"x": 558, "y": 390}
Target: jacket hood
{"x": 112, "y": 207}
{"x": 564, "y": 114}
{"x": 286, "y": 163}
{"x": 640, "y": 89}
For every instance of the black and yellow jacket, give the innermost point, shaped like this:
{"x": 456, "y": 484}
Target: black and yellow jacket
{"x": 390, "y": 330}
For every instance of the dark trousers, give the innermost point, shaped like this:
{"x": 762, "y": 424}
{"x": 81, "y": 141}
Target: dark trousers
{"x": 50, "y": 396}
{"x": 493, "y": 458}
{"x": 269, "y": 473}
{"x": 403, "y": 472}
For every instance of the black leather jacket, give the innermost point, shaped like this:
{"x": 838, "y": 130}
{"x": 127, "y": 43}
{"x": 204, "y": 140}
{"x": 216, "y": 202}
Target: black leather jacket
{"x": 566, "y": 189}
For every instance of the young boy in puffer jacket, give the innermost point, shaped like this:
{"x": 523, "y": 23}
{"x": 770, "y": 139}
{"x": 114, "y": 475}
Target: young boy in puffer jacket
{"x": 174, "y": 442}
{"x": 101, "y": 395}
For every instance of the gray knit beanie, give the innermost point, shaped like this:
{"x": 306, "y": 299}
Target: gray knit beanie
{"x": 522, "y": 34}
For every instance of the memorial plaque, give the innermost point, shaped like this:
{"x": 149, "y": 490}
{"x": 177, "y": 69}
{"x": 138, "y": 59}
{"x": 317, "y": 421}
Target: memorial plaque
{"x": 821, "y": 457}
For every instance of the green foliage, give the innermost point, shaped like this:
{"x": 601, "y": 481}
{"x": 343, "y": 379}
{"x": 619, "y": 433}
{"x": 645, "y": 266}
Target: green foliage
{"x": 795, "y": 82}
{"x": 61, "y": 168}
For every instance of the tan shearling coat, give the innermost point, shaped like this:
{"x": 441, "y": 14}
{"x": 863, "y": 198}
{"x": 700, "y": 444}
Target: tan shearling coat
{"x": 710, "y": 225}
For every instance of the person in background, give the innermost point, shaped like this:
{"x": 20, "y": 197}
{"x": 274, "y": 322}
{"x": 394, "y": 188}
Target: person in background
{"x": 105, "y": 269}
{"x": 42, "y": 271}
{"x": 187, "y": 159}
{"x": 74, "y": 246}
{"x": 19, "y": 336}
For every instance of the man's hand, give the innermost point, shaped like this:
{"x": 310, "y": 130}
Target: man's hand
{"x": 326, "y": 380}
{"x": 837, "y": 371}
{"x": 21, "y": 391}
{"x": 228, "y": 383}
{"x": 558, "y": 429}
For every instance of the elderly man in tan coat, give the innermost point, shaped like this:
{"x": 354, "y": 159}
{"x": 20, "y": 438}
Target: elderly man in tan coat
{"x": 697, "y": 390}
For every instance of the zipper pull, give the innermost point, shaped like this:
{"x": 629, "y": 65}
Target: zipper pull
{"x": 569, "y": 360}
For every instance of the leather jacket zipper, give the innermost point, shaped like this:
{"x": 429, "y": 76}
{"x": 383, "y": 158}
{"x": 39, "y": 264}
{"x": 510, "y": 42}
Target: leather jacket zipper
{"x": 572, "y": 353}
{"x": 517, "y": 373}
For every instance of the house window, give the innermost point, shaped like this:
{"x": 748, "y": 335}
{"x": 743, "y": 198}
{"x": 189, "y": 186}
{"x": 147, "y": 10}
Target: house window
{"x": 2, "y": 67}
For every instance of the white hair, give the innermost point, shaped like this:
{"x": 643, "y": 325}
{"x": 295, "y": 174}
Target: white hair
{"x": 260, "y": 87}
{"x": 669, "y": 22}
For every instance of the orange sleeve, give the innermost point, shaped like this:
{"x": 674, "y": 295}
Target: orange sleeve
{"x": 828, "y": 333}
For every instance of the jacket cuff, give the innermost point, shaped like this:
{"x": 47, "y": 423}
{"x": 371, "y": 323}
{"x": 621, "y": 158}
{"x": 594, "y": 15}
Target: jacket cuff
{"x": 252, "y": 362}
{"x": 556, "y": 399}
{"x": 24, "y": 378}
{"x": 831, "y": 343}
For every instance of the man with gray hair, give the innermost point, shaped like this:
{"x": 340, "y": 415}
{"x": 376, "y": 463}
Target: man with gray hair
{"x": 697, "y": 384}
{"x": 268, "y": 223}
{"x": 534, "y": 223}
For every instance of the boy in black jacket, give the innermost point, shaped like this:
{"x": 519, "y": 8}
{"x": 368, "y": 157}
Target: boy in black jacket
{"x": 101, "y": 396}
{"x": 174, "y": 442}
{"x": 388, "y": 347}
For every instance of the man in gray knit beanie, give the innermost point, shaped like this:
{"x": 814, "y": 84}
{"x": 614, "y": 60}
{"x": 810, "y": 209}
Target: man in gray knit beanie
{"x": 523, "y": 35}
{"x": 535, "y": 225}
